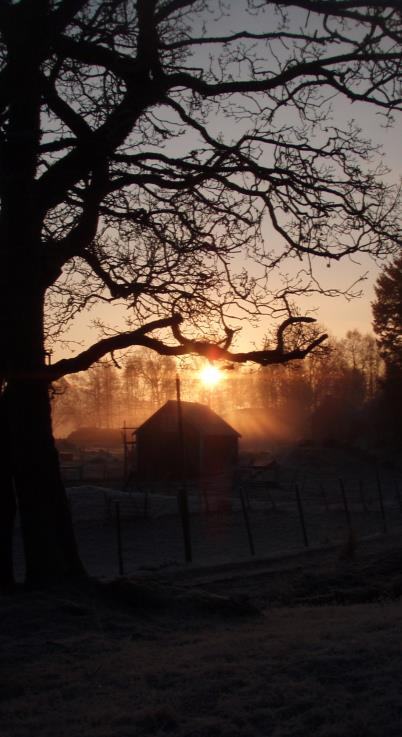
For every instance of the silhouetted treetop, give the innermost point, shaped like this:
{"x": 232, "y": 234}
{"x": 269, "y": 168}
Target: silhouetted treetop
{"x": 161, "y": 140}
{"x": 387, "y": 312}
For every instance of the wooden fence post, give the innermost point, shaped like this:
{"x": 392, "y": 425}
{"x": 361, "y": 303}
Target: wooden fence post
{"x": 345, "y": 505}
{"x": 381, "y": 500}
{"x": 301, "y": 516}
{"x": 119, "y": 545}
{"x": 247, "y": 522}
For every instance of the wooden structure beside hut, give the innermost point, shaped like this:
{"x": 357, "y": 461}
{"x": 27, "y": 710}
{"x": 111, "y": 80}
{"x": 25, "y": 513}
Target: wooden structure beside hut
{"x": 210, "y": 443}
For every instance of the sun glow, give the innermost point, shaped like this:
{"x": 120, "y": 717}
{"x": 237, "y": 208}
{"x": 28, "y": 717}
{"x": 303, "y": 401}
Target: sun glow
{"x": 210, "y": 375}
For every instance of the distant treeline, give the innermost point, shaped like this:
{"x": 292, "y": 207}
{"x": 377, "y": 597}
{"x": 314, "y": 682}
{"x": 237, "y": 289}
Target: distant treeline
{"x": 335, "y": 395}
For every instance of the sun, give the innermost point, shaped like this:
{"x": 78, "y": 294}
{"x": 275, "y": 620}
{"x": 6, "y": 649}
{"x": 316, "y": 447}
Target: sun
{"x": 210, "y": 376}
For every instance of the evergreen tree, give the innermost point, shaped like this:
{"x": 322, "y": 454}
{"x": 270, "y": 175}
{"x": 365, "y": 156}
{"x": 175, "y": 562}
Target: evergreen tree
{"x": 387, "y": 313}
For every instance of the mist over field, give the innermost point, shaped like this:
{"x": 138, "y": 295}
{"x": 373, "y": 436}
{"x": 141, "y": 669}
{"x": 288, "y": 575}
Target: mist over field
{"x": 332, "y": 396}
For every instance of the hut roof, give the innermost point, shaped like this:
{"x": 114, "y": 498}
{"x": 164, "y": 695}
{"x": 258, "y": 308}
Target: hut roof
{"x": 195, "y": 415}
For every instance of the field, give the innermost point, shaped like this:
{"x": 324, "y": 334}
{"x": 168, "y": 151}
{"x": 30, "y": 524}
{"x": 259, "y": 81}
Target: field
{"x": 150, "y": 525}
{"x": 301, "y": 645}
{"x": 291, "y": 642}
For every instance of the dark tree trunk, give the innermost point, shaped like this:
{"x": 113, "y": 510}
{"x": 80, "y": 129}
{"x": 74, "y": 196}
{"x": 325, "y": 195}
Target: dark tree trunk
{"x": 29, "y": 469}
{"x": 7, "y": 520}
{"x": 50, "y": 549}
{"x": 49, "y": 543}
{"x": 7, "y": 505}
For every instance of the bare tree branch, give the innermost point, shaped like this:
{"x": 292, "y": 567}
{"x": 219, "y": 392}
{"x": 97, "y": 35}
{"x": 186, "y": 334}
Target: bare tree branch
{"x": 157, "y": 165}
{"x": 211, "y": 351}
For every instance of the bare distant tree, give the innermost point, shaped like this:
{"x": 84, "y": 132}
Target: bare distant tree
{"x": 144, "y": 143}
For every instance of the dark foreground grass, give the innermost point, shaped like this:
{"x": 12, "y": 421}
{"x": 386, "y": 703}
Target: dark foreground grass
{"x": 81, "y": 664}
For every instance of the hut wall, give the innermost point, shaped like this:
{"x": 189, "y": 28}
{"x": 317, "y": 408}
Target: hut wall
{"x": 159, "y": 454}
{"x": 219, "y": 453}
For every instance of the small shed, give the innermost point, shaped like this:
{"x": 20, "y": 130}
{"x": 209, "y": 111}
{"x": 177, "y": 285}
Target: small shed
{"x": 210, "y": 443}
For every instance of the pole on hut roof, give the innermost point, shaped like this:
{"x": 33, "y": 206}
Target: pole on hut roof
{"x": 182, "y": 496}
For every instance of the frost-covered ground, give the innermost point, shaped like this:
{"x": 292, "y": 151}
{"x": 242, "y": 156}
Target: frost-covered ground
{"x": 295, "y": 645}
{"x": 151, "y": 531}
{"x": 158, "y": 657}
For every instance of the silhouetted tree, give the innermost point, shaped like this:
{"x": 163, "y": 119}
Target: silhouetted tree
{"x": 158, "y": 373}
{"x": 387, "y": 313}
{"x": 362, "y": 355}
{"x": 142, "y": 147}
{"x": 328, "y": 393}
